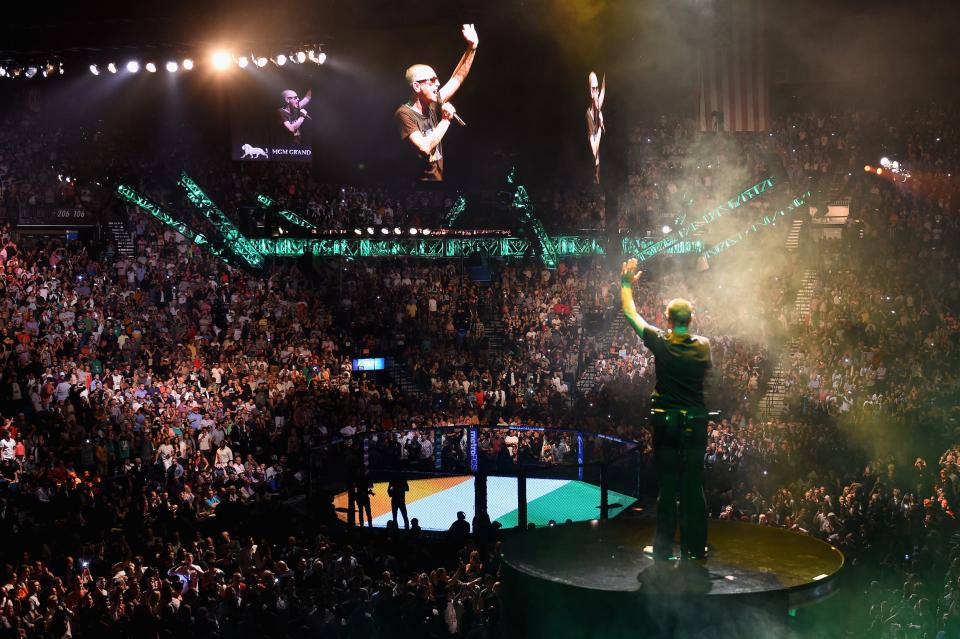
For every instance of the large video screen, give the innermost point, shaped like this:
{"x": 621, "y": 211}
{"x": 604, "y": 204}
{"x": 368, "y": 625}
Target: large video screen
{"x": 271, "y": 115}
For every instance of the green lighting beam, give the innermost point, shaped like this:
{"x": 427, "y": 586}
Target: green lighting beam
{"x": 521, "y": 202}
{"x": 767, "y": 220}
{"x": 235, "y": 241}
{"x": 267, "y": 202}
{"x": 143, "y": 202}
{"x": 708, "y": 217}
{"x": 504, "y": 247}
{"x": 458, "y": 208}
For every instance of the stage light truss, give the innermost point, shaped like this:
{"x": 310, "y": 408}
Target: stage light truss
{"x": 577, "y": 245}
{"x": 504, "y": 247}
{"x": 266, "y": 203}
{"x": 451, "y": 216}
{"x": 645, "y": 246}
{"x": 697, "y": 224}
{"x": 767, "y": 220}
{"x": 521, "y": 202}
{"x": 156, "y": 211}
{"x": 232, "y": 237}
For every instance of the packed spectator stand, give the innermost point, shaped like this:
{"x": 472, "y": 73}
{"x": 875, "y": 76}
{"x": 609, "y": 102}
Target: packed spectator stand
{"x": 160, "y": 408}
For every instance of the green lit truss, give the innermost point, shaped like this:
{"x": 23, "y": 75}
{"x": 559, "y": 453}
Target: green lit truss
{"x": 146, "y": 204}
{"x": 252, "y": 251}
{"x": 766, "y": 220}
{"x": 548, "y": 252}
{"x": 505, "y": 247}
{"x": 238, "y": 244}
{"x": 676, "y": 237}
{"x": 459, "y": 206}
{"x": 267, "y": 202}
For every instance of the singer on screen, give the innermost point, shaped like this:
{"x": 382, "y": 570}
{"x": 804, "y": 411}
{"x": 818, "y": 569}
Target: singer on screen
{"x": 595, "y": 127}
{"x": 294, "y": 113}
{"x": 425, "y": 117}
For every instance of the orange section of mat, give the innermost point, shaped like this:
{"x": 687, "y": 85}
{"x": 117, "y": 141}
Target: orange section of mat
{"x": 419, "y": 488}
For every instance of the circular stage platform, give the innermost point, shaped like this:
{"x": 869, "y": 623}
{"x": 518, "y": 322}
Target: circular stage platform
{"x": 594, "y": 579}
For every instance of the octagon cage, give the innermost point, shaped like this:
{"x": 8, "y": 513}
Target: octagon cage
{"x": 502, "y": 476}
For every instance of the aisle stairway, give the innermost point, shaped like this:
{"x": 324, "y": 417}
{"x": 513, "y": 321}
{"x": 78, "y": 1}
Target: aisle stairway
{"x": 772, "y": 403}
{"x": 588, "y": 379}
{"x": 121, "y": 237}
{"x": 403, "y": 380}
{"x": 793, "y": 237}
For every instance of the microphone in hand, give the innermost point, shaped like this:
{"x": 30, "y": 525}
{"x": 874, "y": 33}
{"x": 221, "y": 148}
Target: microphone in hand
{"x": 449, "y": 112}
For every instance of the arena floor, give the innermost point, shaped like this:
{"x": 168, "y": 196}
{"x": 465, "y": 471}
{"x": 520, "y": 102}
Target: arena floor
{"x": 435, "y": 501}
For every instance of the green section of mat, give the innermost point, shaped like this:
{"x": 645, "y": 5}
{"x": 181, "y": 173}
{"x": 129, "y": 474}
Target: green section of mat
{"x": 574, "y": 500}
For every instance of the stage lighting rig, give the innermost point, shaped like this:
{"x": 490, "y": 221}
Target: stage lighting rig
{"x": 94, "y": 69}
{"x": 894, "y": 167}
{"x": 243, "y": 61}
{"x": 151, "y": 67}
{"x": 187, "y": 65}
{"x": 112, "y": 68}
{"x": 280, "y": 60}
{"x": 172, "y": 66}
{"x": 221, "y": 60}
{"x": 301, "y": 57}
{"x": 133, "y": 66}
{"x": 30, "y": 72}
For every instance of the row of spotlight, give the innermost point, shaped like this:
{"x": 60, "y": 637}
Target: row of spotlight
{"x": 32, "y": 70}
{"x": 395, "y": 231}
{"x": 221, "y": 60}
{"x": 133, "y": 67}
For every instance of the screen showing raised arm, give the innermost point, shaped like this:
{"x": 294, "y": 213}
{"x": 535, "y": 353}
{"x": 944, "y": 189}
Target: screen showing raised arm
{"x": 272, "y": 120}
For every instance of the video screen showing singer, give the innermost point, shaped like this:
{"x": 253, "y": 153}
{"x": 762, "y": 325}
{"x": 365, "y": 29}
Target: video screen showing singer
{"x": 293, "y": 114}
{"x": 595, "y": 126}
{"x": 424, "y": 118}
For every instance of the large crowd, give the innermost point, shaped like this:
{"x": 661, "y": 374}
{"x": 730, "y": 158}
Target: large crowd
{"x": 159, "y": 408}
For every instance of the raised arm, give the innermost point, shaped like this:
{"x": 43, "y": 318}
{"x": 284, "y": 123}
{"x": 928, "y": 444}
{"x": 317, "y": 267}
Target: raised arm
{"x": 463, "y": 67}
{"x": 305, "y": 100}
{"x": 628, "y": 275}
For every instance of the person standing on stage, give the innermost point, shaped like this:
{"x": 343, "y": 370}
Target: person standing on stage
{"x": 595, "y": 126}
{"x": 363, "y": 489}
{"x": 425, "y": 117}
{"x": 679, "y": 421}
{"x": 397, "y": 489}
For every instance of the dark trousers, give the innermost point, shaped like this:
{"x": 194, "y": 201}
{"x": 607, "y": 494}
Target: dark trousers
{"x": 364, "y": 506}
{"x": 402, "y": 507}
{"x": 679, "y": 445}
